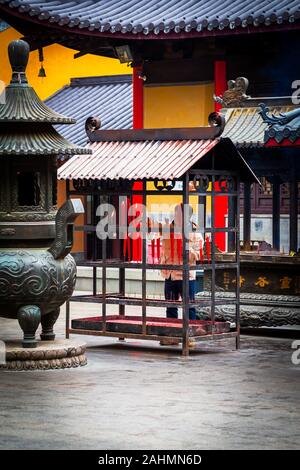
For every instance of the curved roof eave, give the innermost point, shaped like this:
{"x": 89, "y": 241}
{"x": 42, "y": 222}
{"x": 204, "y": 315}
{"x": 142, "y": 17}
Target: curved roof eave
{"x": 145, "y": 19}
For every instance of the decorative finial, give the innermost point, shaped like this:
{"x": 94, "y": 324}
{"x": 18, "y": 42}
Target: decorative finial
{"x": 18, "y": 52}
{"x": 217, "y": 120}
{"x": 92, "y": 124}
{"x": 235, "y": 95}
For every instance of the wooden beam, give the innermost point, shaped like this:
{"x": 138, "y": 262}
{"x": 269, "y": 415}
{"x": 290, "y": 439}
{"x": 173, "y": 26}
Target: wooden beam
{"x": 130, "y": 135}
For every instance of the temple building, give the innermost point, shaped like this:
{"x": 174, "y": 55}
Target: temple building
{"x": 189, "y": 59}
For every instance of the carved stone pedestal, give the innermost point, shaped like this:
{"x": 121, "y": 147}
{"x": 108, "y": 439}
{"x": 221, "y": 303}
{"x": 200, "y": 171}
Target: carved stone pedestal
{"x": 60, "y": 354}
{"x": 255, "y": 310}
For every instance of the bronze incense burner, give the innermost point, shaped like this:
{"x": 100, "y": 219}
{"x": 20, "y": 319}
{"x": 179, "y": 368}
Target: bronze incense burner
{"x": 37, "y": 273}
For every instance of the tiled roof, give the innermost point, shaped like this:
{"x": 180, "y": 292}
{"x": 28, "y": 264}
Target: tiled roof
{"x": 245, "y": 127}
{"x": 136, "y": 160}
{"x": 109, "y": 98}
{"x": 150, "y": 159}
{"x": 158, "y": 17}
{"x": 279, "y": 127}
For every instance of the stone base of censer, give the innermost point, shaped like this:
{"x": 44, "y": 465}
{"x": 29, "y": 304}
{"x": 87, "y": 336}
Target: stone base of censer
{"x": 60, "y": 354}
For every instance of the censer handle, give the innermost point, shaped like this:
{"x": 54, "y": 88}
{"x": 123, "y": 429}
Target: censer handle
{"x": 64, "y": 222}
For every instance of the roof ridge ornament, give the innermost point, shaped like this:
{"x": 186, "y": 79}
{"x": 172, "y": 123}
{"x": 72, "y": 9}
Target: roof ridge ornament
{"x": 235, "y": 96}
{"x": 282, "y": 126}
{"x": 279, "y": 119}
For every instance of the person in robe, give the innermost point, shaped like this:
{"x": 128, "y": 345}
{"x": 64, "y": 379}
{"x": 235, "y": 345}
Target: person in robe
{"x": 171, "y": 254}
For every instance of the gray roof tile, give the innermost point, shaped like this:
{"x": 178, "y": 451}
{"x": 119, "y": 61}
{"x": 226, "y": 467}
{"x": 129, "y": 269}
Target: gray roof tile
{"x": 109, "y": 98}
{"x": 163, "y": 17}
{"x": 245, "y": 127}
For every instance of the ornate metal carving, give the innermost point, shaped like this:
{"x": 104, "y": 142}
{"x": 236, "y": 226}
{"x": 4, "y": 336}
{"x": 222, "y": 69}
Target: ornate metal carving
{"x": 265, "y": 310}
{"x": 86, "y": 184}
{"x": 201, "y": 183}
{"x": 27, "y": 217}
{"x": 164, "y": 185}
{"x": 65, "y": 217}
{"x": 235, "y": 95}
{"x": 226, "y": 183}
{"x": 9, "y": 232}
{"x": 34, "y": 277}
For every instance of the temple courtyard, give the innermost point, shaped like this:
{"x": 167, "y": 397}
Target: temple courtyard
{"x": 139, "y": 395}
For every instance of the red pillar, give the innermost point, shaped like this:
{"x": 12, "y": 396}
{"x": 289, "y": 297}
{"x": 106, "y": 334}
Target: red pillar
{"x": 138, "y": 123}
{"x": 220, "y": 80}
{"x": 221, "y": 201}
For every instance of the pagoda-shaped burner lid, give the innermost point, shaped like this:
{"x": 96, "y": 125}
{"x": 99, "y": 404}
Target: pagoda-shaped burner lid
{"x": 26, "y": 122}
{"x": 22, "y": 104}
{"x": 29, "y": 148}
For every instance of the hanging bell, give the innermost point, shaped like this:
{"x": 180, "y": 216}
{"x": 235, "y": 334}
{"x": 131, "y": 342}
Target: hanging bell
{"x": 42, "y": 72}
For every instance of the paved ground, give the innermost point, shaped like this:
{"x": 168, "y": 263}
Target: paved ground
{"x": 142, "y": 396}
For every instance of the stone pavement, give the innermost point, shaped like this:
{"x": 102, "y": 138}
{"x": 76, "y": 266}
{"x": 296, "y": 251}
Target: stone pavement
{"x": 139, "y": 395}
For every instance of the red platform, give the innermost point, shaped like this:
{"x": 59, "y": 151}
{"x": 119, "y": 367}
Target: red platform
{"x": 154, "y": 326}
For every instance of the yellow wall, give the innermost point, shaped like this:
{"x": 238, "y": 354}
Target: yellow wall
{"x": 59, "y": 64}
{"x": 178, "y": 105}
